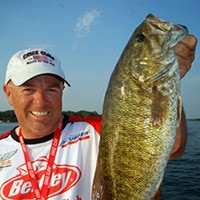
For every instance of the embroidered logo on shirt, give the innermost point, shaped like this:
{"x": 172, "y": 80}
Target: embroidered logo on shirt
{"x": 63, "y": 178}
{"x": 75, "y": 138}
{"x": 4, "y": 159}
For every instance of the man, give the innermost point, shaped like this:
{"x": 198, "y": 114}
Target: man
{"x": 50, "y": 156}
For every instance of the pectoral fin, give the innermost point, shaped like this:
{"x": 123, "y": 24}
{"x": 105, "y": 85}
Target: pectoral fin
{"x": 179, "y": 111}
{"x": 159, "y": 107}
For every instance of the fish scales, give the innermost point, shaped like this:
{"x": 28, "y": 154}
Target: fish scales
{"x": 140, "y": 114}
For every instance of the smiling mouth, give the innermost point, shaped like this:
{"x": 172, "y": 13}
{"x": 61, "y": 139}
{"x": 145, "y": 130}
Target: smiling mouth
{"x": 39, "y": 114}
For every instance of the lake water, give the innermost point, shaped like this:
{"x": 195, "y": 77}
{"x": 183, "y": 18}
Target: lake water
{"x": 4, "y": 127}
{"x": 182, "y": 176}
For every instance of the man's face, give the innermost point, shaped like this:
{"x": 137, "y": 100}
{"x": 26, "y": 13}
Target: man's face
{"x": 37, "y": 104}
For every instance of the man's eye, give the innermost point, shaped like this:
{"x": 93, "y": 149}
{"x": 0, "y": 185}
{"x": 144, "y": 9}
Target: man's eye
{"x": 52, "y": 90}
{"x": 28, "y": 90}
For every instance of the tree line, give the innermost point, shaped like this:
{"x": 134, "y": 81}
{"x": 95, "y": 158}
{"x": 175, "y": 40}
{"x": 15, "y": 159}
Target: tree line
{"x": 9, "y": 115}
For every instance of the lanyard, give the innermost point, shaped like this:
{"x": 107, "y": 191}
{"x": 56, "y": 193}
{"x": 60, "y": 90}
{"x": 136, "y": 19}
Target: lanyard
{"x": 43, "y": 193}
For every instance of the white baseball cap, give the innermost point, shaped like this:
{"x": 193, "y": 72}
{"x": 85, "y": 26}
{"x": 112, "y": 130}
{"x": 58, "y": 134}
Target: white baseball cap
{"x": 29, "y": 63}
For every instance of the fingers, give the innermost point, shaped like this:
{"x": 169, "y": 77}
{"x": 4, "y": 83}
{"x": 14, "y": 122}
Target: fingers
{"x": 190, "y": 41}
{"x": 184, "y": 66}
{"x": 185, "y": 53}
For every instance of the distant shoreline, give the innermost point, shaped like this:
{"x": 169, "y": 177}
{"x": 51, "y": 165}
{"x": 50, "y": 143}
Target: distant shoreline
{"x": 198, "y": 119}
{"x": 9, "y": 115}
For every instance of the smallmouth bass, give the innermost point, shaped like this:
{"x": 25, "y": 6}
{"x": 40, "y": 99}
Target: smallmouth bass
{"x": 141, "y": 111}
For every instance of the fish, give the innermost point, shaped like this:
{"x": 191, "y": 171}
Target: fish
{"x": 141, "y": 112}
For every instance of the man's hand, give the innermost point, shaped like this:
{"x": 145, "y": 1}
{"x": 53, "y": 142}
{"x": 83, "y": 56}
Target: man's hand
{"x": 185, "y": 53}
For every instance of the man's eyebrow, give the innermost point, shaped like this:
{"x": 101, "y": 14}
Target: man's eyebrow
{"x": 57, "y": 85}
{"x": 27, "y": 84}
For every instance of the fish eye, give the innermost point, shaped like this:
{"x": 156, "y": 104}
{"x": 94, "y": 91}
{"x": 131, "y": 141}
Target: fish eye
{"x": 140, "y": 37}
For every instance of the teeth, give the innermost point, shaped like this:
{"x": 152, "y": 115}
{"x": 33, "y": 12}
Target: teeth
{"x": 39, "y": 114}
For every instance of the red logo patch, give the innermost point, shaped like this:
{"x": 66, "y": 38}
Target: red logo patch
{"x": 63, "y": 178}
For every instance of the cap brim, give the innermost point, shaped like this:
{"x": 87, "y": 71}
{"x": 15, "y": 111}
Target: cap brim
{"x": 21, "y": 78}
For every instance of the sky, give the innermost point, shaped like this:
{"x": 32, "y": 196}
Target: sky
{"x": 88, "y": 36}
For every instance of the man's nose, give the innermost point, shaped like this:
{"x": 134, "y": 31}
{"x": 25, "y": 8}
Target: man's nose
{"x": 40, "y": 97}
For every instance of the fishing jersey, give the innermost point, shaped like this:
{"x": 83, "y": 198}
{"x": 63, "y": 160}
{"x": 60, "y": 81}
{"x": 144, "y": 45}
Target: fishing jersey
{"x": 74, "y": 164}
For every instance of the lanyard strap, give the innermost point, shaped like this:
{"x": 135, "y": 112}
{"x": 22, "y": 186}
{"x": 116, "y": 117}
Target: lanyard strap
{"x": 43, "y": 193}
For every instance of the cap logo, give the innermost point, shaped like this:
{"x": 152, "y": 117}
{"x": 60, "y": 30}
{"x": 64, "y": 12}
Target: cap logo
{"x": 36, "y": 56}
{"x": 32, "y": 53}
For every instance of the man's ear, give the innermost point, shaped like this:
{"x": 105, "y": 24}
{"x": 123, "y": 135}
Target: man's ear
{"x": 7, "y": 90}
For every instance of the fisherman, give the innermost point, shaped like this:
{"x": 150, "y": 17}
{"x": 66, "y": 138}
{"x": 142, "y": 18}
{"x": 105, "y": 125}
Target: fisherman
{"x": 50, "y": 155}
